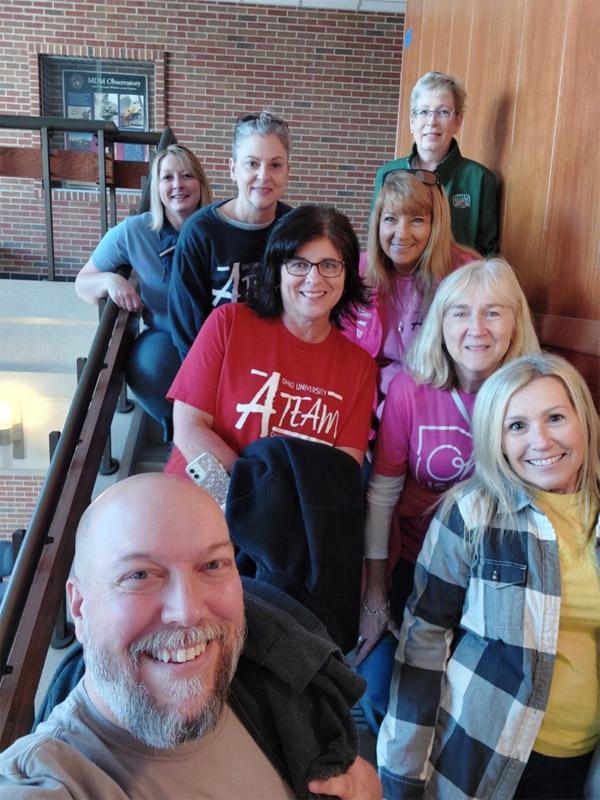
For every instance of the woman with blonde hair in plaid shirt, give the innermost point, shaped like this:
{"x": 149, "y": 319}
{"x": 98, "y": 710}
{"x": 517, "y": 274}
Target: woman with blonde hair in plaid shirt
{"x": 495, "y": 690}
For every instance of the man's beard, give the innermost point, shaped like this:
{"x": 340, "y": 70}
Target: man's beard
{"x": 138, "y": 711}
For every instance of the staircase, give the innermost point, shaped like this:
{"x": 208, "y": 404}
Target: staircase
{"x": 149, "y": 452}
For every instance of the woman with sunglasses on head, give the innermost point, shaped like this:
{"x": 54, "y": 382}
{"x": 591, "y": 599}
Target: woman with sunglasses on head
{"x": 278, "y": 365}
{"x": 496, "y": 689}
{"x": 410, "y": 250}
{"x": 219, "y": 250}
{"x": 437, "y": 105}
{"x": 478, "y": 320}
{"x": 178, "y": 187}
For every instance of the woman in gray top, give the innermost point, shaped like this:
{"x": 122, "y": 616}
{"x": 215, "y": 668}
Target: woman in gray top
{"x": 147, "y": 242}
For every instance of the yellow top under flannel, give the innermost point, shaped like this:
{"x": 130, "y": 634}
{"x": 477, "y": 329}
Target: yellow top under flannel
{"x": 571, "y": 724}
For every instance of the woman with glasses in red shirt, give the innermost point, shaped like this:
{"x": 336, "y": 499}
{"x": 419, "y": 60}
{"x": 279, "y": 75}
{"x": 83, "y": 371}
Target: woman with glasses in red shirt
{"x": 278, "y": 365}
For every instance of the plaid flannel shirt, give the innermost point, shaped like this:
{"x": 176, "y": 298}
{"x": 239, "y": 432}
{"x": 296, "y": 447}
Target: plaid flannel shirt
{"x": 475, "y": 658}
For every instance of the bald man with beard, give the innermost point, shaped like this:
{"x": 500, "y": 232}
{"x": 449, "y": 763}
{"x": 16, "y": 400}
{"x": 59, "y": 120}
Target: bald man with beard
{"x": 194, "y": 686}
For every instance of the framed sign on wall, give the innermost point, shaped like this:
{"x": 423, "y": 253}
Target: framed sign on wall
{"x": 112, "y": 97}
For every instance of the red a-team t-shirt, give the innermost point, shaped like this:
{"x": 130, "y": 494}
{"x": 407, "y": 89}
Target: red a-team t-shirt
{"x": 257, "y": 379}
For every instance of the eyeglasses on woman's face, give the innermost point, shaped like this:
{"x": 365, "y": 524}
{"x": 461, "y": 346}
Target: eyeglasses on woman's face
{"x": 443, "y": 113}
{"x": 327, "y": 268}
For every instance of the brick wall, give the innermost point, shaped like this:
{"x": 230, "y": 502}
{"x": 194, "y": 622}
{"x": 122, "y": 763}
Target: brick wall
{"x": 334, "y": 76}
{"x": 18, "y": 496}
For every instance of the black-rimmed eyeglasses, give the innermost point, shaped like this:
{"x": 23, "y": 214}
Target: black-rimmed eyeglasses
{"x": 327, "y": 268}
{"x": 426, "y": 176}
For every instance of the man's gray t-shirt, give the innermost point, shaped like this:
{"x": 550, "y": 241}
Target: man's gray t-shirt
{"x": 78, "y": 753}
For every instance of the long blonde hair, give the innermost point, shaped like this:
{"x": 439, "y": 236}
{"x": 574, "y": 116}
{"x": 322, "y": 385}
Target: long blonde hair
{"x": 494, "y": 484}
{"x": 403, "y": 190}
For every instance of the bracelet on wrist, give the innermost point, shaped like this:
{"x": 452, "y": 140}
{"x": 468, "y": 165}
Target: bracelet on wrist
{"x": 373, "y": 611}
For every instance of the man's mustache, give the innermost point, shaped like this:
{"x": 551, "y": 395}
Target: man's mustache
{"x": 176, "y": 638}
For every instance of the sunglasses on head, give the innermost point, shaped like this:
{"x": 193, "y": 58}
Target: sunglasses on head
{"x": 426, "y": 176}
{"x": 257, "y": 116}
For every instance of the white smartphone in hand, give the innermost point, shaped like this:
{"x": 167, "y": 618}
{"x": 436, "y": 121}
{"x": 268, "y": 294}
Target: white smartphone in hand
{"x": 208, "y": 472}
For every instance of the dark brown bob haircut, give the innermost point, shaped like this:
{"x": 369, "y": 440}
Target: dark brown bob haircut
{"x": 292, "y": 231}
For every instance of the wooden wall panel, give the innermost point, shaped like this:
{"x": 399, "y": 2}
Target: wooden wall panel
{"x": 527, "y": 167}
{"x": 573, "y": 233}
{"x": 458, "y": 35}
{"x": 488, "y": 133}
{"x": 530, "y": 69}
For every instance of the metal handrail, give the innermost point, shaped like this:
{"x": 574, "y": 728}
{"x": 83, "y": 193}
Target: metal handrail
{"x": 66, "y": 125}
{"x": 36, "y": 536}
{"x": 107, "y": 134}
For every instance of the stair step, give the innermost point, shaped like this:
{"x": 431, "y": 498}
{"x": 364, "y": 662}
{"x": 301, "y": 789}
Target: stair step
{"x": 147, "y": 466}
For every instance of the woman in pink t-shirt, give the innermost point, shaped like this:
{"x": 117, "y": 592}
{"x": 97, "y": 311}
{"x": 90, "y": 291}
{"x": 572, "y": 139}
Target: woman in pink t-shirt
{"x": 410, "y": 251}
{"x": 478, "y": 320}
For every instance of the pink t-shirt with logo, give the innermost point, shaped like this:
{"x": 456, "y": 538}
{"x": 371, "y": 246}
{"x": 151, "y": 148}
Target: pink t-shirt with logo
{"x": 424, "y": 436}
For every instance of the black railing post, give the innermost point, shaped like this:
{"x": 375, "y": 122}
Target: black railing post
{"x": 63, "y": 632}
{"x": 124, "y": 404}
{"x": 102, "y": 182}
{"x": 80, "y": 364}
{"x": 53, "y": 438}
{"x": 47, "y": 186}
{"x": 108, "y": 464}
{"x": 112, "y": 192}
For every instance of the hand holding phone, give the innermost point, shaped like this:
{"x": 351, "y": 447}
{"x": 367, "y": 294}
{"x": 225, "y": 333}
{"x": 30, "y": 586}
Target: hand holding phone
{"x": 208, "y": 472}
